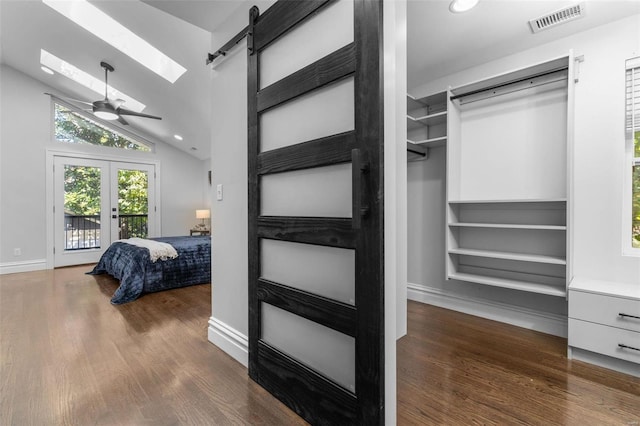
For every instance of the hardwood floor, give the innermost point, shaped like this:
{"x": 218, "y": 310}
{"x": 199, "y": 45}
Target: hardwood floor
{"x": 69, "y": 357}
{"x": 457, "y": 369}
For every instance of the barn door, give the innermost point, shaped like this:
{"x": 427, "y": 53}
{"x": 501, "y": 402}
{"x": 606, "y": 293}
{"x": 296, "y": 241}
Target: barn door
{"x": 315, "y": 208}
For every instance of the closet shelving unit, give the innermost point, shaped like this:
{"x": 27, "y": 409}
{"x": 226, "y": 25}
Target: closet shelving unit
{"x": 508, "y": 209}
{"x": 427, "y": 120}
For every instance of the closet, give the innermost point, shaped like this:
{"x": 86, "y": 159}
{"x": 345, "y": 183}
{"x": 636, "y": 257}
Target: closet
{"x": 506, "y": 207}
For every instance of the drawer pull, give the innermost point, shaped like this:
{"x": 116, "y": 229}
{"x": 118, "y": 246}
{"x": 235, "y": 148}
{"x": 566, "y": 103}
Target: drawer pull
{"x": 622, "y": 346}
{"x": 628, "y": 316}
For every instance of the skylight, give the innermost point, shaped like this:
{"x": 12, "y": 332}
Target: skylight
{"x": 117, "y": 35}
{"x": 71, "y": 71}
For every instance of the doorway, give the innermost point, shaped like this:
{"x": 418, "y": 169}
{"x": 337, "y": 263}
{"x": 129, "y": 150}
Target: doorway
{"x": 97, "y": 202}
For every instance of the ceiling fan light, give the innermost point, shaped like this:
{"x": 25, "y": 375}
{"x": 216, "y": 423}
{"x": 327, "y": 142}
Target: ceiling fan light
{"x": 106, "y": 115}
{"x": 459, "y": 6}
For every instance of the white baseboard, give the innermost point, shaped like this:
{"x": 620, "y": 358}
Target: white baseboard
{"x": 24, "y": 266}
{"x": 229, "y": 340}
{"x": 522, "y": 317}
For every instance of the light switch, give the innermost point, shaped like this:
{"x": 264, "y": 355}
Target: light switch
{"x": 219, "y": 192}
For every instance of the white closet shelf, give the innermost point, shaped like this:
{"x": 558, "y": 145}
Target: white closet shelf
{"x": 439, "y": 141}
{"x": 528, "y": 200}
{"x": 523, "y": 257}
{"x": 426, "y": 120}
{"x": 512, "y": 284}
{"x": 508, "y": 226}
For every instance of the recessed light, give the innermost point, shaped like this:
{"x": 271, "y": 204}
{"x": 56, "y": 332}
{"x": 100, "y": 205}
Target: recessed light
{"x": 117, "y": 35}
{"x": 178, "y": 137}
{"x": 87, "y": 80}
{"x": 459, "y": 6}
{"x": 47, "y": 70}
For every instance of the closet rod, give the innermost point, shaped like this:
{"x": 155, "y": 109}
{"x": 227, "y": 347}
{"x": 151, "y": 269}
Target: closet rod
{"x": 420, "y": 153}
{"x": 224, "y": 49}
{"x": 508, "y": 83}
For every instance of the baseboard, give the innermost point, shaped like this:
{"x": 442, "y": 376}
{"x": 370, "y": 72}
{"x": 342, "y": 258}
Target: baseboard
{"x": 604, "y": 361}
{"x": 543, "y": 322}
{"x": 229, "y": 340}
{"x": 24, "y": 266}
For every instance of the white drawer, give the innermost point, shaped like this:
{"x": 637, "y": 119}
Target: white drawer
{"x": 605, "y": 310}
{"x": 604, "y": 340}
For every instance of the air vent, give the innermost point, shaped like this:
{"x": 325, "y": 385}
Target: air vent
{"x": 556, "y": 18}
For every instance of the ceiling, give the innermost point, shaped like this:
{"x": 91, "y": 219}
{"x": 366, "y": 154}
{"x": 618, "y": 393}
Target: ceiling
{"x": 26, "y": 26}
{"x": 439, "y": 42}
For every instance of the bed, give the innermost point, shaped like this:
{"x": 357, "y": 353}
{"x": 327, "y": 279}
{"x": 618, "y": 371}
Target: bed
{"x": 132, "y": 265}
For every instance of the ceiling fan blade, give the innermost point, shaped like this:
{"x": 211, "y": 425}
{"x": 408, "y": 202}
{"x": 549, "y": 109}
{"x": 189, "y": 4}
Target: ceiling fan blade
{"x": 69, "y": 99}
{"x": 122, "y": 120}
{"x": 122, "y": 111}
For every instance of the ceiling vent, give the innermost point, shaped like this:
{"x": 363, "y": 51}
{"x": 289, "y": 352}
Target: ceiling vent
{"x": 556, "y": 18}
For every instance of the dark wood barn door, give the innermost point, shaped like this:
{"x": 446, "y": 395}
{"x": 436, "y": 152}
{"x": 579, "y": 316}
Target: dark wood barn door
{"x": 316, "y": 261}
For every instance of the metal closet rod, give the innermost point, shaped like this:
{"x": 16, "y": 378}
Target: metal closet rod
{"x": 414, "y": 151}
{"x": 508, "y": 83}
{"x": 224, "y": 49}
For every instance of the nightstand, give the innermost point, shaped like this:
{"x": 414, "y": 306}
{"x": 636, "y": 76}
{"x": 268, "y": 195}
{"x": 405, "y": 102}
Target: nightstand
{"x": 193, "y": 232}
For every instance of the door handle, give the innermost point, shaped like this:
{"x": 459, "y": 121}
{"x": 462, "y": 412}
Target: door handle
{"x": 358, "y": 168}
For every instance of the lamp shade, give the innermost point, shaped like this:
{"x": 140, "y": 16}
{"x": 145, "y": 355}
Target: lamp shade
{"x": 203, "y": 214}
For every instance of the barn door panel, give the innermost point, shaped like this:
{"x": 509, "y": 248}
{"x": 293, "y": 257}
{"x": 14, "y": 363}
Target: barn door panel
{"x": 315, "y": 208}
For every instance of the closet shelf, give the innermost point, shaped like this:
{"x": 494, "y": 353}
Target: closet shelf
{"x": 434, "y": 142}
{"x": 512, "y": 284}
{"x": 528, "y": 200}
{"x": 414, "y": 122}
{"x": 509, "y": 226}
{"x": 523, "y": 257}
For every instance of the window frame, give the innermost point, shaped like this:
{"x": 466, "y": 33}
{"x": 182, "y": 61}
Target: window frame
{"x": 631, "y": 127}
{"x": 135, "y": 138}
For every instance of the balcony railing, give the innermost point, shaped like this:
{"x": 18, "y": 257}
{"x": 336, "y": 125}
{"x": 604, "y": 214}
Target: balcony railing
{"x": 133, "y": 225}
{"x": 83, "y": 231}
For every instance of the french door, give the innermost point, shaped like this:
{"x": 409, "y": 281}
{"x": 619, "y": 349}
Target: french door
{"x": 316, "y": 261}
{"x": 97, "y": 202}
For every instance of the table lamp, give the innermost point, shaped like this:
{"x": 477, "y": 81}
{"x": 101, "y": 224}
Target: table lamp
{"x": 202, "y": 214}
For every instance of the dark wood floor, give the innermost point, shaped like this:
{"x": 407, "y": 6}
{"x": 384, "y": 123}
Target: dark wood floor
{"x": 457, "y": 369}
{"x": 70, "y": 357}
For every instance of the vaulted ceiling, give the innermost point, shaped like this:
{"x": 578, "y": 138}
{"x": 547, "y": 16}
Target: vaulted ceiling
{"x": 439, "y": 42}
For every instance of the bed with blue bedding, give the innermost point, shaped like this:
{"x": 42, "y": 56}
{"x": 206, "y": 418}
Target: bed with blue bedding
{"x": 132, "y": 265}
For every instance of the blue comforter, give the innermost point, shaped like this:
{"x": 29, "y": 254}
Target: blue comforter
{"x": 137, "y": 274}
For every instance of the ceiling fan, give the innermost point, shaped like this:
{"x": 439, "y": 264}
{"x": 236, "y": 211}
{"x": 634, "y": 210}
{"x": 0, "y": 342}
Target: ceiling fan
{"x": 111, "y": 110}
{"x": 108, "y": 109}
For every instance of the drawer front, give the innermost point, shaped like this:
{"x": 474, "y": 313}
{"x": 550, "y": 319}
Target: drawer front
{"x": 604, "y": 340}
{"x": 605, "y": 310}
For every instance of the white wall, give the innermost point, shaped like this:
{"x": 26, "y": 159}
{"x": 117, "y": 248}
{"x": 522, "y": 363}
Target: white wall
{"x": 597, "y": 161}
{"x": 25, "y": 135}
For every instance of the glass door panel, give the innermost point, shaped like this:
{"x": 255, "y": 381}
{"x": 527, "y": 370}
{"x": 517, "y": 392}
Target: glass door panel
{"x": 133, "y": 204}
{"x": 133, "y": 200}
{"x": 81, "y": 210}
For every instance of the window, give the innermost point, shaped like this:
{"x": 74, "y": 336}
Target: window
{"x": 632, "y": 133}
{"x": 71, "y": 126}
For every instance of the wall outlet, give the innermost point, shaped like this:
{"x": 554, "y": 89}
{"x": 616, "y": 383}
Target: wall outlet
{"x": 17, "y": 252}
